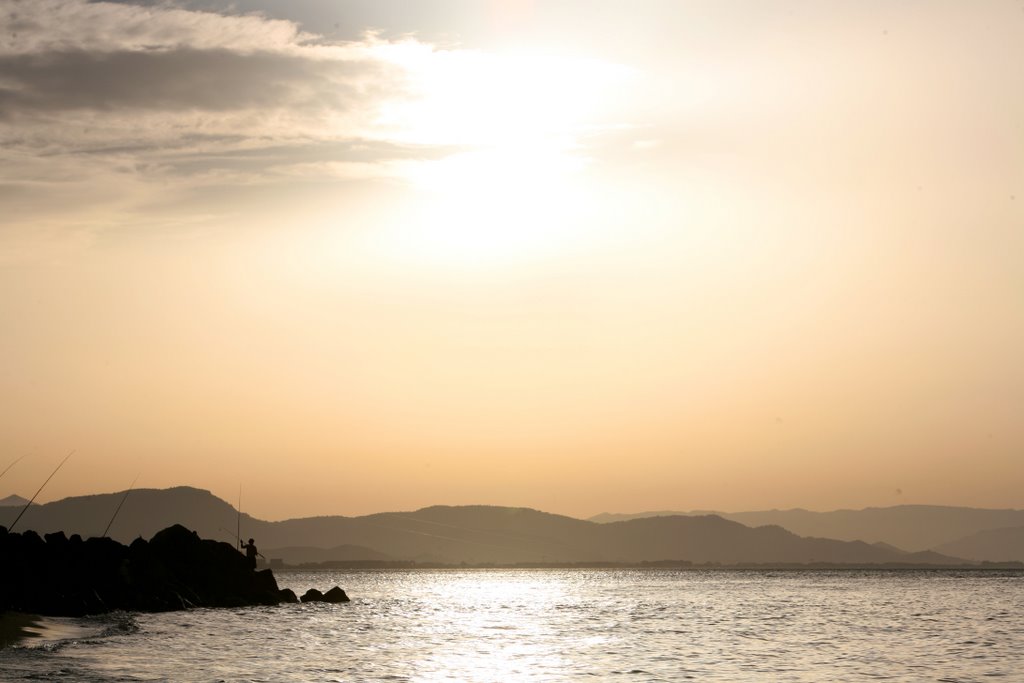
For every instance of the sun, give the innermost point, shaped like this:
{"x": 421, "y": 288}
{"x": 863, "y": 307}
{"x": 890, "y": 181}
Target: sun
{"x": 491, "y": 206}
{"x": 513, "y": 185}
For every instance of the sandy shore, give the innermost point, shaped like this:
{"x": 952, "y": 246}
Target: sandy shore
{"x": 16, "y": 627}
{"x": 30, "y": 629}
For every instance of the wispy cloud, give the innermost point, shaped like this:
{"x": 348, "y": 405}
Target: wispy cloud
{"x": 179, "y": 80}
{"x": 107, "y": 106}
{"x": 43, "y": 26}
{"x": 75, "y": 73}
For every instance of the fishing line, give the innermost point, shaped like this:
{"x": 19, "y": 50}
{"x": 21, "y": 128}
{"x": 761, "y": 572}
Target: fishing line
{"x": 40, "y": 489}
{"x": 130, "y": 487}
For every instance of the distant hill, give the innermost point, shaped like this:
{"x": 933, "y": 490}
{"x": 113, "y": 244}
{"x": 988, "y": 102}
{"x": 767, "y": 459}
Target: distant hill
{"x": 471, "y": 534}
{"x": 309, "y": 555}
{"x": 608, "y": 517}
{"x": 145, "y": 511}
{"x": 995, "y": 545}
{"x": 910, "y": 527}
{"x": 13, "y": 501}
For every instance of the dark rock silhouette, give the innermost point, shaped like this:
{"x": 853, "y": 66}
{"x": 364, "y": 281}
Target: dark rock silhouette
{"x": 336, "y": 594}
{"x": 61, "y": 576}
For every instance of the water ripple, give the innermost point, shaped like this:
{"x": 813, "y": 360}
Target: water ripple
{"x": 554, "y": 625}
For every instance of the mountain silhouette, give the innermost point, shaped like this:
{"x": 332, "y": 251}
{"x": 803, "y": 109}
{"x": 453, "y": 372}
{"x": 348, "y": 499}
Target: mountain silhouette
{"x": 145, "y": 512}
{"x": 295, "y": 555}
{"x": 13, "y": 500}
{"x": 909, "y": 527}
{"x": 471, "y": 534}
{"x": 994, "y": 545}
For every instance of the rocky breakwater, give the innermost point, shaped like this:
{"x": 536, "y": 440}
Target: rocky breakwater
{"x": 60, "y": 576}
{"x": 333, "y": 595}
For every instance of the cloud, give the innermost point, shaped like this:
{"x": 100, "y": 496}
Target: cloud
{"x": 69, "y": 60}
{"x": 109, "y": 109}
{"x": 44, "y": 26}
{"x": 298, "y": 154}
{"x": 181, "y": 79}
{"x": 107, "y": 106}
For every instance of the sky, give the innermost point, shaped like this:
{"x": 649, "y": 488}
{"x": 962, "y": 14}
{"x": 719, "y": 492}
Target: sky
{"x": 577, "y": 255}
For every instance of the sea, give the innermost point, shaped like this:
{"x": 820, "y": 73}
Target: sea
{"x": 566, "y": 625}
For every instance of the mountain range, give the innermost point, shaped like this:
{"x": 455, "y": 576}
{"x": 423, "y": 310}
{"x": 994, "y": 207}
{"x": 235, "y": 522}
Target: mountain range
{"x": 983, "y": 545}
{"x": 464, "y": 534}
{"x": 909, "y": 527}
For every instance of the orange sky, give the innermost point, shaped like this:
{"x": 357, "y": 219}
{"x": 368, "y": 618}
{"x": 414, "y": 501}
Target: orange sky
{"x": 572, "y": 256}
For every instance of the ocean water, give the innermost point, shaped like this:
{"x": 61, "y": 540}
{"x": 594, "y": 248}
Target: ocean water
{"x": 568, "y": 625}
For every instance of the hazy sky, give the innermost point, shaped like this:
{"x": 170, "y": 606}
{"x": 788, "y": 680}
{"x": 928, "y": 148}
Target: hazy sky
{"x": 366, "y": 255}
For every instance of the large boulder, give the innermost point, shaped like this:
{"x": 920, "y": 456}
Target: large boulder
{"x": 211, "y": 573}
{"x": 336, "y": 594}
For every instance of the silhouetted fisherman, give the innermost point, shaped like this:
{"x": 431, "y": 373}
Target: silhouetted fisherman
{"x": 251, "y": 553}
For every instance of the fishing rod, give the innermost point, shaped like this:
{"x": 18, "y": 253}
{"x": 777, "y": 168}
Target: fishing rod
{"x": 10, "y": 466}
{"x": 40, "y": 489}
{"x": 119, "y": 506}
{"x": 229, "y": 532}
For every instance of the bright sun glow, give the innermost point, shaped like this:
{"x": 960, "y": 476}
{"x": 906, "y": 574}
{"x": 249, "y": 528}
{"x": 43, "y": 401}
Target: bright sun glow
{"x": 513, "y": 187}
{"x": 487, "y": 206}
{"x": 467, "y": 97}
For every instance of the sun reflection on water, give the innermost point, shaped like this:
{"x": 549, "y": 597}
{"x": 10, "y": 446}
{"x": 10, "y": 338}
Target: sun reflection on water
{"x": 503, "y": 623}
{"x": 564, "y": 625}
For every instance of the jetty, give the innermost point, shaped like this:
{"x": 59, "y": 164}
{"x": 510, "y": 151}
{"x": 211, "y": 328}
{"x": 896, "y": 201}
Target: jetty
{"x": 57, "y": 575}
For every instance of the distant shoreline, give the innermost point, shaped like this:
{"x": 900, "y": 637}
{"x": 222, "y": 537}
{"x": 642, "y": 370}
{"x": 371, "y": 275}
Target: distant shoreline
{"x": 823, "y": 566}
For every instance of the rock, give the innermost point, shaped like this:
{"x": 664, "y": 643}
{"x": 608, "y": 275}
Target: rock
{"x": 56, "y": 539}
{"x": 174, "y": 570}
{"x": 31, "y": 540}
{"x": 336, "y": 595}
{"x": 287, "y": 595}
